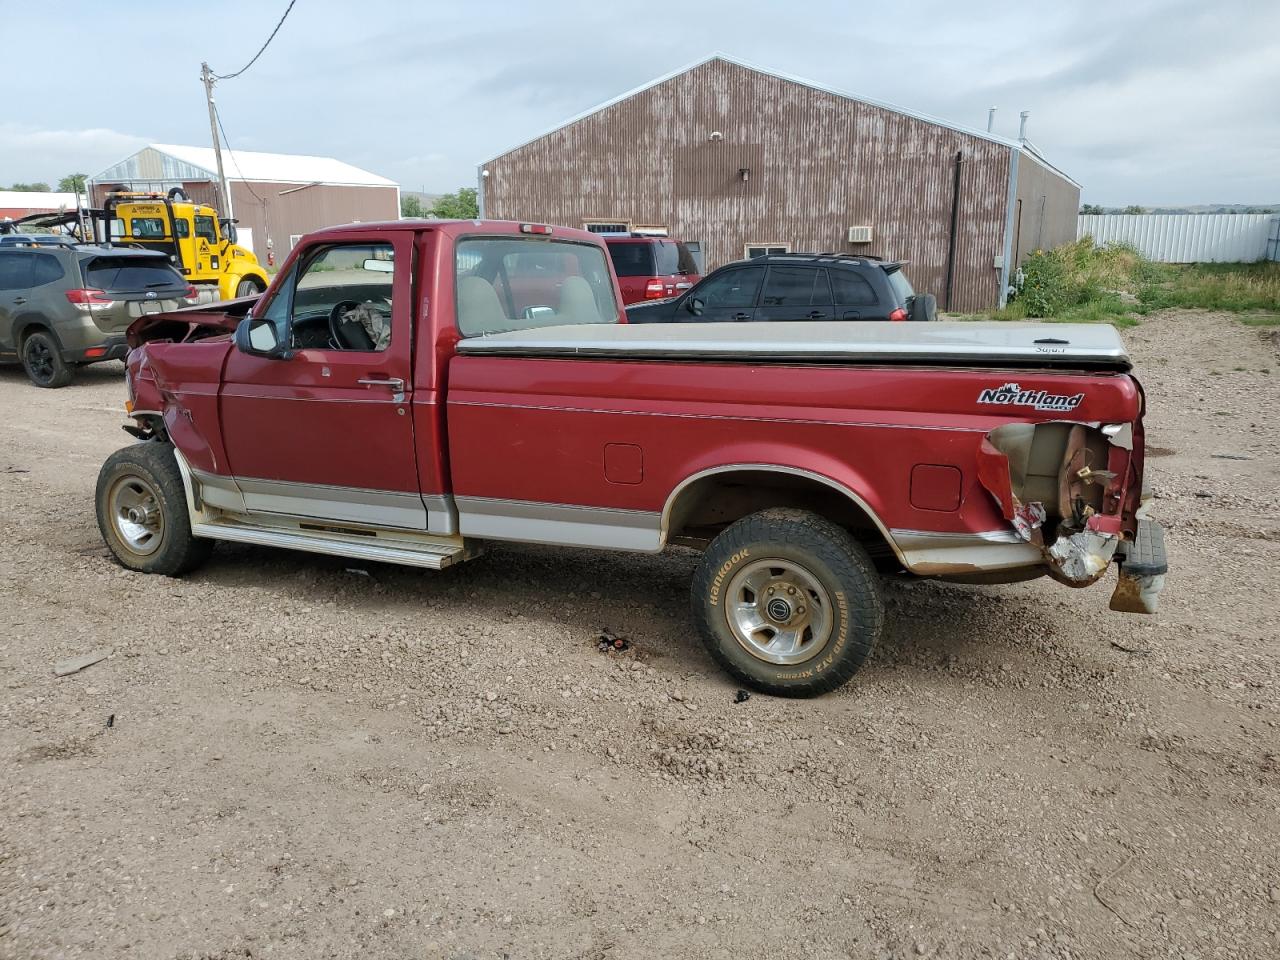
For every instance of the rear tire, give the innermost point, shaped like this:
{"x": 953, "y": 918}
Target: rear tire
{"x": 42, "y": 360}
{"x": 788, "y": 603}
{"x": 142, "y": 511}
{"x": 248, "y": 287}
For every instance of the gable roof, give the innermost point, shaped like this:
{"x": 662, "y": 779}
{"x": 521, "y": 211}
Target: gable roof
{"x": 811, "y": 84}
{"x": 186, "y": 162}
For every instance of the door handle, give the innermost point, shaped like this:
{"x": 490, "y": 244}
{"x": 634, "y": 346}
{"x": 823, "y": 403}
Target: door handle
{"x": 816, "y": 314}
{"x": 395, "y": 383}
{"x": 742, "y": 316}
{"x": 19, "y": 300}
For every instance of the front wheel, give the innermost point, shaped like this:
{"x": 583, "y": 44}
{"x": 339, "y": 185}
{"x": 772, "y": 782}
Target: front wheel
{"x": 248, "y": 287}
{"x": 142, "y": 511}
{"x": 788, "y": 603}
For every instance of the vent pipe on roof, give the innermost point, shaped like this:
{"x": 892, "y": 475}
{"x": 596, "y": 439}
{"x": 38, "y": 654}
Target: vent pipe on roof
{"x": 1022, "y": 126}
{"x": 991, "y": 119}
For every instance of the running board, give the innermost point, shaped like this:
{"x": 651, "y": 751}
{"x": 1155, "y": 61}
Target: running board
{"x": 431, "y": 554}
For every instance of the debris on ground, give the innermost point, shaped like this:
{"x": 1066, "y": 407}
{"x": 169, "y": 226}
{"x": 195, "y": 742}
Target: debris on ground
{"x": 358, "y": 571}
{"x": 607, "y": 640}
{"x": 742, "y": 696}
{"x": 67, "y": 667}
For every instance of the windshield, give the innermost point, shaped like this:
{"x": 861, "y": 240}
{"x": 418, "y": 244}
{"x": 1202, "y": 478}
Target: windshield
{"x": 651, "y": 258}
{"x": 509, "y": 283}
{"x": 131, "y": 273}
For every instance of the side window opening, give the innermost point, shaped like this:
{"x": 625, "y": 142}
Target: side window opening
{"x": 341, "y": 298}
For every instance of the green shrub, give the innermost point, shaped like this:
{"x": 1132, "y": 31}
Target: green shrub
{"x": 1081, "y": 282}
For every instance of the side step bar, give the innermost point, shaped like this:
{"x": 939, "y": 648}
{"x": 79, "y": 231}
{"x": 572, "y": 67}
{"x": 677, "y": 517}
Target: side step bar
{"x": 431, "y": 555}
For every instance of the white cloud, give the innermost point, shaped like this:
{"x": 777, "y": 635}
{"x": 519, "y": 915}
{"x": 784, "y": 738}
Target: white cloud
{"x": 31, "y": 154}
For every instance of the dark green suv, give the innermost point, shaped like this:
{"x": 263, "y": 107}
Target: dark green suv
{"x": 64, "y": 307}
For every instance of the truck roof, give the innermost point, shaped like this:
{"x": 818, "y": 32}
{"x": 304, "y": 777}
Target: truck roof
{"x": 455, "y": 227}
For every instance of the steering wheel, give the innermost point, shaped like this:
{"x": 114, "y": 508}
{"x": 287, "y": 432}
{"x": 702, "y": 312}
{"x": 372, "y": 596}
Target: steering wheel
{"x": 340, "y": 310}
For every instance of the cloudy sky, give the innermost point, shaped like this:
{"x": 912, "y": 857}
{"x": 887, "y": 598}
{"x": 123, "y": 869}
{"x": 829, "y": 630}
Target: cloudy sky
{"x": 1142, "y": 101}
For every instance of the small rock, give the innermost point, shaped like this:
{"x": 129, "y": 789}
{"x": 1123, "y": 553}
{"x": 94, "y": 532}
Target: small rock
{"x": 506, "y": 728}
{"x": 423, "y": 788}
{"x": 612, "y": 751}
{"x": 388, "y": 912}
{"x": 490, "y": 696}
{"x": 1275, "y": 894}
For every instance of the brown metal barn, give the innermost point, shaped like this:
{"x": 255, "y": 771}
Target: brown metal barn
{"x": 742, "y": 161}
{"x": 276, "y": 197}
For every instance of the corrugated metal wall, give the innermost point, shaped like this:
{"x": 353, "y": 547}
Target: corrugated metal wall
{"x": 302, "y": 211}
{"x": 1185, "y": 237}
{"x": 1046, "y": 207}
{"x": 819, "y": 163}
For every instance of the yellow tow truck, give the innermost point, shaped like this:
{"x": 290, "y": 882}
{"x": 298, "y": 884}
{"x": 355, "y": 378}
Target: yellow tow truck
{"x": 201, "y": 245}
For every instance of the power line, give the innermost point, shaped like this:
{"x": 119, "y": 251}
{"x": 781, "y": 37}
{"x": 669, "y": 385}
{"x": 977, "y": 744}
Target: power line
{"x": 232, "y": 76}
{"x": 227, "y": 140}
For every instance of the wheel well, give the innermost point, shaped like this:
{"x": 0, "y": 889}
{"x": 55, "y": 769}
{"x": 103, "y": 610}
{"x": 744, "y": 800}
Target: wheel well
{"x": 710, "y": 503}
{"x": 35, "y": 326}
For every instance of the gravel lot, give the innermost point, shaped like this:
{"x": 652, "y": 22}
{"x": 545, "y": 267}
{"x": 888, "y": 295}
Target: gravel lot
{"x": 311, "y": 762}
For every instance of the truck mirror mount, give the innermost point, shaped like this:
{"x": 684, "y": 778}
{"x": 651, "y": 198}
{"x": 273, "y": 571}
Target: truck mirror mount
{"x": 260, "y": 338}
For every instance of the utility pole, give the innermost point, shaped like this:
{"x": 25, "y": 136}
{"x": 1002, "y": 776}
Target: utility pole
{"x": 206, "y": 77}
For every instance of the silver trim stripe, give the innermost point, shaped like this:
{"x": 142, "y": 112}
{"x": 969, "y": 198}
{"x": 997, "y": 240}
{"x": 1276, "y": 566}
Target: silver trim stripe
{"x": 556, "y": 523}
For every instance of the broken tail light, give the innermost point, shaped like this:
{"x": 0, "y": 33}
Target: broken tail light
{"x": 192, "y": 296}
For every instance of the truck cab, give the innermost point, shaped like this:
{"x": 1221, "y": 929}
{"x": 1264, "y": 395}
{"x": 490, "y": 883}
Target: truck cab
{"x": 198, "y": 243}
{"x": 408, "y": 392}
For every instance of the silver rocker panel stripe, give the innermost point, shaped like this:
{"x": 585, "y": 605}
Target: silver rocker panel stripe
{"x": 373, "y": 508}
{"x": 524, "y": 521}
{"x": 988, "y": 550}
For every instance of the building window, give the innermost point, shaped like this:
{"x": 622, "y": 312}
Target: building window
{"x": 766, "y": 249}
{"x": 606, "y": 226}
{"x": 651, "y": 230}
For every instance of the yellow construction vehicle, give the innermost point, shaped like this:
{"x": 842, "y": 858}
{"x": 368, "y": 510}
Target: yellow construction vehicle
{"x": 201, "y": 245}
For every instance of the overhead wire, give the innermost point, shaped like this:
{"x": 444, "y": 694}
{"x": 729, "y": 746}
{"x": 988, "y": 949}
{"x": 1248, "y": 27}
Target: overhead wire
{"x": 262, "y": 49}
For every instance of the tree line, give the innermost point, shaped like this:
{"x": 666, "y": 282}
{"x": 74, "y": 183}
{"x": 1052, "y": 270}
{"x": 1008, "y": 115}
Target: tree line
{"x": 71, "y": 183}
{"x": 462, "y": 205}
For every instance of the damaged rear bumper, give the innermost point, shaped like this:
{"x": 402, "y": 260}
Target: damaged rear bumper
{"x": 1143, "y": 565}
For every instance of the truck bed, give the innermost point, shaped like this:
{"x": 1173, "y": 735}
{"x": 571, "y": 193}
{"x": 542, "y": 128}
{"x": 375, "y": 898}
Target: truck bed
{"x": 994, "y": 344}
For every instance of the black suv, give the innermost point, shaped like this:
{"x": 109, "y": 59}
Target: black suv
{"x": 795, "y": 286}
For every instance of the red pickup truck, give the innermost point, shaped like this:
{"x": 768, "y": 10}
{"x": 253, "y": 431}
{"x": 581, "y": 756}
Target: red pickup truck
{"x": 406, "y": 391}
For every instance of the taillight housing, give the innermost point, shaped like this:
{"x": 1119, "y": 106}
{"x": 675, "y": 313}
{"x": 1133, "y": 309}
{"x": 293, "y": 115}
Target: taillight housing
{"x": 655, "y": 289}
{"x": 898, "y": 315}
{"x": 192, "y": 296}
{"x": 89, "y": 300}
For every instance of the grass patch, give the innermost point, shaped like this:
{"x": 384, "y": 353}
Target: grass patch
{"x": 1085, "y": 283}
{"x": 1261, "y": 319}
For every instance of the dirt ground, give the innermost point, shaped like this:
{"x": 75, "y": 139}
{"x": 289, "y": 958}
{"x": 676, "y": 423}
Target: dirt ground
{"x": 311, "y": 762}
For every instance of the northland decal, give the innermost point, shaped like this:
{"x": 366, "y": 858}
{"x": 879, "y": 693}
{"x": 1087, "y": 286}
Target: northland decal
{"x": 1012, "y": 395}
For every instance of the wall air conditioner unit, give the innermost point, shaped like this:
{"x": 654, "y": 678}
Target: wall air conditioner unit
{"x": 860, "y": 234}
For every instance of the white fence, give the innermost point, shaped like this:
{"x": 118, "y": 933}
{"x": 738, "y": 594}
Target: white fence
{"x": 1185, "y": 237}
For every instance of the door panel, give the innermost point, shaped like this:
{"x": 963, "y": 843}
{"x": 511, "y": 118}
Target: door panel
{"x": 15, "y": 282}
{"x": 730, "y": 295}
{"x": 795, "y": 292}
{"x": 328, "y": 433}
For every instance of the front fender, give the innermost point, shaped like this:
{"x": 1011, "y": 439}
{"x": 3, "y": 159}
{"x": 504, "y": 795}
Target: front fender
{"x": 242, "y": 271}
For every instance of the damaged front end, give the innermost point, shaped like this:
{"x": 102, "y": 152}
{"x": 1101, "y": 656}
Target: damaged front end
{"x": 1073, "y": 490}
